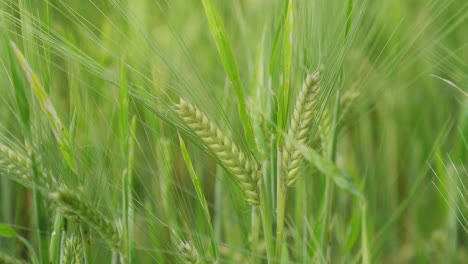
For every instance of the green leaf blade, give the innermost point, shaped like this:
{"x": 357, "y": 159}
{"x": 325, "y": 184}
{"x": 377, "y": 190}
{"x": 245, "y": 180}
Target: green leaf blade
{"x": 60, "y": 132}
{"x": 341, "y": 178}
{"x": 200, "y": 194}
{"x": 230, "y": 66}
{"x": 6, "y": 231}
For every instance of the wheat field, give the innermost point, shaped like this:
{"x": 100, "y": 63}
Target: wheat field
{"x": 250, "y": 131}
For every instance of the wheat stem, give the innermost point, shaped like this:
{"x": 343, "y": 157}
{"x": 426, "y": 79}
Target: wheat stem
{"x": 328, "y": 199}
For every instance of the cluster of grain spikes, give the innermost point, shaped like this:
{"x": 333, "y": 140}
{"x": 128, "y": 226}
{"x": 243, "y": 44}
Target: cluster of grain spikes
{"x": 72, "y": 204}
{"x": 21, "y": 167}
{"x": 300, "y": 123}
{"x": 236, "y": 162}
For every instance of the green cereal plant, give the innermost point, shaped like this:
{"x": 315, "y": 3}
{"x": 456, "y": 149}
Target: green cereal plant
{"x": 97, "y": 93}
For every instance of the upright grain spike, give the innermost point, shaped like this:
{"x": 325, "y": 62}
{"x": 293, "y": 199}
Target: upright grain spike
{"x": 300, "y": 123}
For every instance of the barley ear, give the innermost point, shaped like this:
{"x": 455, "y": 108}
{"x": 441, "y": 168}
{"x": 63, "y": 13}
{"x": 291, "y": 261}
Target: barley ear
{"x": 15, "y": 163}
{"x": 325, "y": 129}
{"x": 72, "y": 252}
{"x": 300, "y": 123}
{"x": 188, "y": 253}
{"x": 72, "y": 204}
{"x": 235, "y": 161}
{"x": 20, "y": 166}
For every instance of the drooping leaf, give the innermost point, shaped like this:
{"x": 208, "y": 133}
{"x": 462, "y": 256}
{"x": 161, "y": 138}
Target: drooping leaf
{"x": 341, "y": 178}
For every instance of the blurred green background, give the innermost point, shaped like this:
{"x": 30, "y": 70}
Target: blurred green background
{"x": 401, "y": 67}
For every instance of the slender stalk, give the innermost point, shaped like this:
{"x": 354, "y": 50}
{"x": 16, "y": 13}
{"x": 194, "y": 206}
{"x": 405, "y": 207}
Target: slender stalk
{"x": 364, "y": 239}
{"x": 201, "y": 198}
{"x": 86, "y": 243}
{"x": 281, "y": 192}
{"x": 63, "y": 238}
{"x": 328, "y": 200}
{"x": 324, "y": 243}
{"x": 41, "y": 216}
{"x": 55, "y": 241}
{"x": 127, "y": 194}
{"x": 266, "y": 218}
{"x": 218, "y": 221}
{"x": 254, "y": 235}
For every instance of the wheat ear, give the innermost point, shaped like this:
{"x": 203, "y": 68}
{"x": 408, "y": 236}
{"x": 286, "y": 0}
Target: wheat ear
{"x": 188, "y": 253}
{"x": 300, "y": 123}
{"x": 21, "y": 166}
{"x": 73, "y": 251}
{"x": 325, "y": 129}
{"x": 73, "y": 204}
{"x": 15, "y": 163}
{"x": 231, "y": 157}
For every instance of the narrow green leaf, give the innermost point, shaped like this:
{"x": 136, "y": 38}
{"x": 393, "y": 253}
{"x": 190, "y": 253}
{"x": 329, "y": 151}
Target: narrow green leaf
{"x": 127, "y": 187}
{"x": 341, "y": 178}
{"x": 60, "y": 132}
{"x": 41, "y": 214}
{"x": 123, "y": 114}
{"x": 6, "y": 231}
{"x": 277, "y": 39}
{"x": 201, "y": 196}
{"x": 349, "y": 19}
{"x": 366, "y": 255}
{"x": 283, "y": 93}
{"x": 18, "y": 83}
{"x": 230, "y": 66}
{"x": 55, "y": 244}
